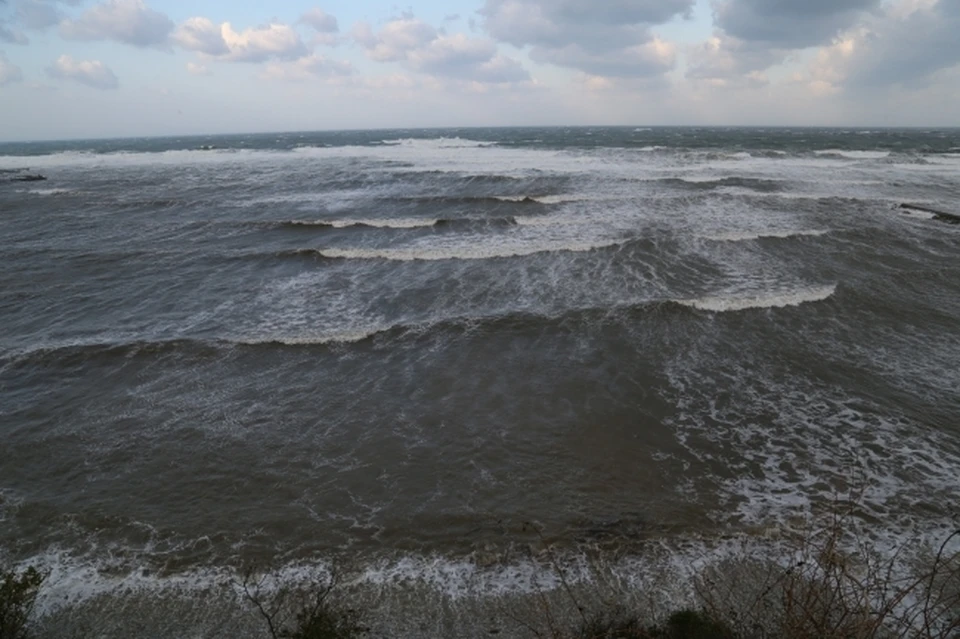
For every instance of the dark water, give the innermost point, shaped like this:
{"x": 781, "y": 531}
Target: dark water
{"x": 395, "y": 348}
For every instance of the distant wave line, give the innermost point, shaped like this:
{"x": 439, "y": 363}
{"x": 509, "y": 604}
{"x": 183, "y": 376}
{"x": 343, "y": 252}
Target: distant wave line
{"x": 746, "y": 236}
{"x": 510, "y": 320}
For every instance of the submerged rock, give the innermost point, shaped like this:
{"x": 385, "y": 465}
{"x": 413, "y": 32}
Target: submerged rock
{"x": 941, "y": 216}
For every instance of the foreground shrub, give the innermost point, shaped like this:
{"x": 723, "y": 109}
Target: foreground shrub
{"x": 18, "y": 593}
{"x": 838, "y": 587}
{"x": 686, "y": 624}
{"x": 291, "y": 613}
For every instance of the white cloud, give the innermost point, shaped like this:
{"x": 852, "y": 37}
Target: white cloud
{"x": 262, "y": 43}
{"x": 310, "y": 67}
{"x": 320, "y": 20}
{"x": 92, "y": 73}
{"x": 259, "y": 44}
{"x": 427, "y": 50}
{"x": 396, "y": 39}
{"x": 194, "y": 68}
{"x": 12, "y": 36}
{"x": 128, "y": 21}
{"x": 201, "y": 35}
{"x": 9, "y": 72}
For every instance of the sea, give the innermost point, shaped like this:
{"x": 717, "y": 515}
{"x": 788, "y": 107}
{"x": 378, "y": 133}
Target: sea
{"x": 462, "y": 365}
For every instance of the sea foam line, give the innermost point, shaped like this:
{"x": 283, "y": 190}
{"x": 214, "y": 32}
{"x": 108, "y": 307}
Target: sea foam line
{"x": 777, "y": 299}
{"x": 748, "y": 235}
{"x": 464, "y": 252}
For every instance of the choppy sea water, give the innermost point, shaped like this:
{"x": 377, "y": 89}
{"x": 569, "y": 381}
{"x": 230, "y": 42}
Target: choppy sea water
{"x": 403, "y": 351}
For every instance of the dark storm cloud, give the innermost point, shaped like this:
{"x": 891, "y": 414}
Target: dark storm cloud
{"x": 789, "y": 24}
{"x": 596, "y": 25}
{"x": 608, "y": 37}
{"x": 906, "y": 49}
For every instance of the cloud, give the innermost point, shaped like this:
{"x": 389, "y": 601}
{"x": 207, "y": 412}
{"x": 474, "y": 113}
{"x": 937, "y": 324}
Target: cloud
{"x": 321, "y": 21}
{"x": 201, "y": 35}
{"x": 460, "y": 57}
{"x": 396, "y": 39}
{"x": 789, "y": 24}
{"x": 128, "y": 21}
{"x": 309, "y": 67}
{"x": 38, "y": 14}
{"x": 9, "y": 73}
{"x": 92, "y": 73}
{"x": 605, "y": 37}
{"x": 259, "y": 44}
{"x": 653, "y": 57}
{"x": 905, "y": 45}
{"x": 197, "y": 69}
{"x": 726, "y": 61}
{"x": 594, "y": 25}
{"x": 427, "y": 50}
{"x": 12, "y": 37}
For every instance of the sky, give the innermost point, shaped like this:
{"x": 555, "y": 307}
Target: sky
{"x": 118, "y": 68}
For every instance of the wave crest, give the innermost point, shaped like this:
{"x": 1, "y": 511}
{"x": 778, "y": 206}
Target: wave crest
{"x": 745, "y": 236}
{"x": 778, "y": 299}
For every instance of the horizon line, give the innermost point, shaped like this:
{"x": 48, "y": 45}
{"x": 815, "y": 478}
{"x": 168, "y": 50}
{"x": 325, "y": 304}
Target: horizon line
{"x": 861, "y": 127}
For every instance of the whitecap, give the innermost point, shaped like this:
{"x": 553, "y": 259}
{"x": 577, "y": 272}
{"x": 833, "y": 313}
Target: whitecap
{"x": 48, "y": 191}
{"x": 855, "y": 155}
{"x": 765, "y": 299}
{"x": 466, "y": 251}
{"x": 388, "y": 223}
{"x": 744, "y": 236}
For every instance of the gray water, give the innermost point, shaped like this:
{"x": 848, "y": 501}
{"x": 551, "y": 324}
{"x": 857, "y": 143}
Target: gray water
{"x": 403, "y": 351}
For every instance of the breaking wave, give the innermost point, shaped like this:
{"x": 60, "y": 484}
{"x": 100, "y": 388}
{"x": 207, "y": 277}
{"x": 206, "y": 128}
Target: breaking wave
{"x": 778, "y": 299}
{"x": 852, "y": 155}
{"x": 746, "y": 236}
{"x": 507, "y": 321}
{"x": 465, "y": 252}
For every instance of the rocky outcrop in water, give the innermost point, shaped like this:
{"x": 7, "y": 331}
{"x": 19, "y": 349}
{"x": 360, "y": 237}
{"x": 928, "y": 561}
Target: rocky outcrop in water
{"x": 21, "y": 175}
{"x": 941, "y": 216}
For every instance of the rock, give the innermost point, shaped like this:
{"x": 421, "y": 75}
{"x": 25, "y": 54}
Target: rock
{"x": 941, "y": 216}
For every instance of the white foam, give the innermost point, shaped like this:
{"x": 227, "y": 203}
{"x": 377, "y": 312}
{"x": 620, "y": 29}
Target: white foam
{"x": 48, "y": 191}
{"x": 440, "y": 143}
{"x": 745, "y": 236}
{"x": 778, "y": 299}
{"x": 855, "y": 155}
{"x": 340, "y": 337}
{"x": 388, "y": 223}
{"x": 545, "y": 220}
{"x": 923, "y": 215}
{"x": 468, "y": 251}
